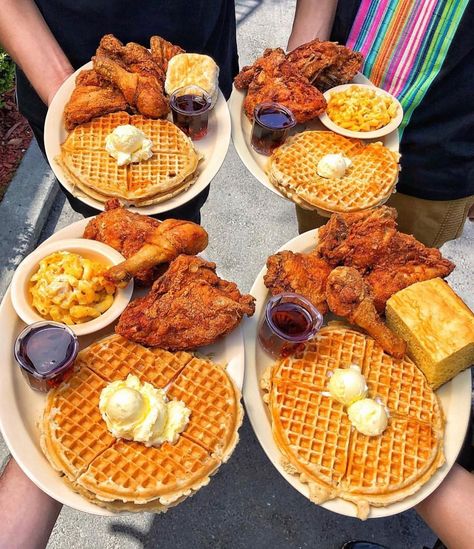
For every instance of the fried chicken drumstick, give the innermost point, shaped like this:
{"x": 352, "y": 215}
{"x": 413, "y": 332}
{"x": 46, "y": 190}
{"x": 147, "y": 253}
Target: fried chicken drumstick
{"x": 144, "y": 241}
{"x": 188, "y": 307}
{"x": 349, "y": 296}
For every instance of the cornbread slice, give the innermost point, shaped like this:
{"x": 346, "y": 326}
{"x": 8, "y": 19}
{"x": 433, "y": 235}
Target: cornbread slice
{"x": 437, "y": 326}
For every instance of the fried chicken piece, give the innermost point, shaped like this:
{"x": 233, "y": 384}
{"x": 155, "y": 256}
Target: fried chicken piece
{"x": 349, "y": 296}
{"x": 275, "y": 79}
{"x": 348, "y": 63}
{"x": 188, "y": 307}
{"x": 313, "y": 57}
{"x": 144, "y": 241}
{"x": 162, "y": 51}
{"x": 303, "y": 274}
{"x": 91, "y": 97}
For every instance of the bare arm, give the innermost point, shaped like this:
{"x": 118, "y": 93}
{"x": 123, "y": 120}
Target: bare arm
{"x": 313, "y": 19}
{"x": 26, "y": 37}
{"x": 27, "y": 515}
{"x": 448, "y": 511}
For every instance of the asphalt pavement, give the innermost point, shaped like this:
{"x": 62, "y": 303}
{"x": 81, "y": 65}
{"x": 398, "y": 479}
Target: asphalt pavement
{"x": 247, "y": 504}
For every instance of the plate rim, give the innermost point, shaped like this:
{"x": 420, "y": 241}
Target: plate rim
{"x": 220, "y": 146}
{"x": 258, "y": 414}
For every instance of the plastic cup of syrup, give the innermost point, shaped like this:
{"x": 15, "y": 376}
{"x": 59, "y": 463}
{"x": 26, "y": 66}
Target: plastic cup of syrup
{"x": 271, "y": 124}
{"x": 290, "y": 320}
{"x": 190, "y": 106}
{"x": 45, "y": 351}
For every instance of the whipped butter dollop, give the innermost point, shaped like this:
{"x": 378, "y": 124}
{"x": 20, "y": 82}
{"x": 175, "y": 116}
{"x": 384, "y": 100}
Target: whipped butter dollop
{"x": 128, "y": 144}
{"x": 368, "y": 416}
{"x": 333, "y": 166}
{"x": 347, "y": 385}
{"x": 138, "y": 411}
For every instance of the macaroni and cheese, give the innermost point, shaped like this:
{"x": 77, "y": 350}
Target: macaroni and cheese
{"x": 71, "y": 289}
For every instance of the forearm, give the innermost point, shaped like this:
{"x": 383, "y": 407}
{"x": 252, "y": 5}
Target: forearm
{"x": 313, "y": 19}
{"x": 26, "y": 37}
{"x": 448, "y": 511}
{"x": 27, "y": 515}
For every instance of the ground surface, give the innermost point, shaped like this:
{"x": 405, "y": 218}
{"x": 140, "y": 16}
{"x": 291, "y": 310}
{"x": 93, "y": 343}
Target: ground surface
{"x": 248, "y": 504}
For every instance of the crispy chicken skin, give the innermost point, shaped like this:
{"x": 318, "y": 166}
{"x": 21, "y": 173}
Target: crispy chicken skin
{"x": 162, "y": 51}
{"x": 145, "y": 242}
{"x": 348, "y": 63}
{"x": 304, "y": 274}
{"x": 188, "y": 307}
{"x": 273, "y": 78}
{"x": 349, "y": 296}
{"x": 313, "y": 57}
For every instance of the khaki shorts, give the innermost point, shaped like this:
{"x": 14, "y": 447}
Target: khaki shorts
{"x": 432, "y": 222}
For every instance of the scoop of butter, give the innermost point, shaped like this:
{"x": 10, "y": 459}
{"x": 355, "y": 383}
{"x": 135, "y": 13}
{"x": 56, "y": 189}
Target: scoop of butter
{"x": 368, "y": 416}
{"x": 138, "y": 411}
{"x": 333, "y": 166}
{"x": 347, "y": 385}
{"x": 128, "y": 144}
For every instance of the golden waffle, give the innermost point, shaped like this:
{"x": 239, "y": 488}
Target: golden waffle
{"x": 292, "y": 169}
{"x": 89, "y": 166}
{"x": 125, "y": 475}
{"x": 313, "y": 432}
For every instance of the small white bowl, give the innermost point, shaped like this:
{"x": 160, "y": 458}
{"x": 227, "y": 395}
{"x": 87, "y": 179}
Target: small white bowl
{"x": 388, "y": 128}
{"x": 90, "y": 249}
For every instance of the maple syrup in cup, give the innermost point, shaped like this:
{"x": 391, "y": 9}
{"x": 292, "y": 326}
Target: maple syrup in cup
{"x": 290, "y": 320}
{"x": 190, "y": 106}
{"x": 45, "y": 352}
{"x": 271, "y": 124}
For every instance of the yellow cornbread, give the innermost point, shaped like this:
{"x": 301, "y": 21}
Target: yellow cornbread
{"x": 437, "y": 326}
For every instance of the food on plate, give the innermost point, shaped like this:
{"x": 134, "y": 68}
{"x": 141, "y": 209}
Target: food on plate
{"x": 139, "y": 411}
{"x": 348, "y": 295}
{"x": 193, "y": 69}
{"x": 388, "y": 260}
{"x": 146, "y": 243}
{"x": 369, "y": 179}
{"x": 347, "y": 385}
{"x": 313, "y": 431}
{"x": 45, "y": 352}
{"x": 187, "y": 307}
{"x": 170, "y": 170}
{"x": 303, "y": 274}
{"x": 333, "y": 166}
{"x": 128, "y": 144}
{"x": 162, "y": 51}
{"x": 127, "y": 475}
{"x": 437, "y": 326}
{"x": 273, "y": 78}
{"x": 326, "y": 64}
{"x": 271, "y": 125}
{"x": 361, "y": 109}
{"x": 190, "y": 106}
{"x": 360, "y": 260}
{"x": 70, "y": 288}
{"x": 368, "y": 417}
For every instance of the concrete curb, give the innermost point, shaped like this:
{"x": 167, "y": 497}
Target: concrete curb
{"x": 23, "y": 211}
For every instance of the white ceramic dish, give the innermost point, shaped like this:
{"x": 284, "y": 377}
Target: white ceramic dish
{"x": 375, "y": 134}
{"x": 254, "y": 162}
{"x": 21, "y": 408}
{"x": 455, "y": 398}
{"x": 89, "y": 249}
{"x": 213, "y": 148}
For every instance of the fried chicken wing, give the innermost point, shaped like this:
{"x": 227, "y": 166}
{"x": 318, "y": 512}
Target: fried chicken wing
{"x": 144, "y": 241}
{"x": 188, "y": 307}
{"x": 304, "y": 274}
{"x": 348, "y": 63}
{"x": 313, "y": 57}
{"x": 162, "y": 51}
{"x": 349, "y": 296}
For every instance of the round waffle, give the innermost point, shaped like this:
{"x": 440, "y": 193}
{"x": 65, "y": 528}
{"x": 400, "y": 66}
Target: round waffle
{"x": 89, "y": 166}
{"x": 292, "y": 169}
{"x": 126, "y": 475}
{"x": 314, "y": 434}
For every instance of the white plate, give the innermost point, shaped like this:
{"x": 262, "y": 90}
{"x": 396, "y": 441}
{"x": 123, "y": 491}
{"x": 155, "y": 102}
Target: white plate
{"x": 213, "y": 148}
{"x": 455, "y": 399}
{"x": 255, "y": 162}
{"x": 21, "y": 408}
{"x": 374, "y": 134}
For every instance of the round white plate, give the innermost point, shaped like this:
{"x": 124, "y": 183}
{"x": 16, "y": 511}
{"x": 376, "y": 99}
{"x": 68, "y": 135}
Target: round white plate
{"x": 213, "y": 148}
{"x": 21, "y": 407}
{"x": 255, "y": 162}
{"x": 455, "y": 399}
